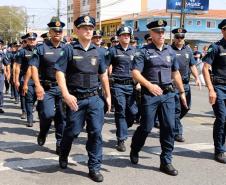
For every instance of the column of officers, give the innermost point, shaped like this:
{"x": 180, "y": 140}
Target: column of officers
{"x": 75, "y": 83}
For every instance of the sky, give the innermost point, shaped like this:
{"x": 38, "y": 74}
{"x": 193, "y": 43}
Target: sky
{"x": 43, "y": 10}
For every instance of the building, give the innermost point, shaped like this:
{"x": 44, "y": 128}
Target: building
{"x": 202, "y": 28}
{"x": 102, "y": 9}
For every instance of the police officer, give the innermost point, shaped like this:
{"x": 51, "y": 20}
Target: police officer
{"x": 147, "y": 38}
{"x": 81, "y": 63}
{"x": 114, "y": 41}
{"x": 3, "y": 72}
{"x": 97, "y": 40}
{"x": 153, "y": 68}
{"x": 134, "y": 41}
{"x": 186, "y": 63}
{"x": 45, "y": 36}
{"x": 11, "y": 55}
{"x": 50, "y": 105}
{"x": 21, "y": 68}
{"x": 216, "y": 58}
{"x": 120, "y": 58}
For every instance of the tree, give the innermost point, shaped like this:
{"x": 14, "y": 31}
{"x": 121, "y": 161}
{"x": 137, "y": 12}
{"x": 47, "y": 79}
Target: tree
{"x": 12, "y": 22}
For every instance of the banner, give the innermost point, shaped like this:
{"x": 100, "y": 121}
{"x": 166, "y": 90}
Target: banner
{"x": 192, "y": 6}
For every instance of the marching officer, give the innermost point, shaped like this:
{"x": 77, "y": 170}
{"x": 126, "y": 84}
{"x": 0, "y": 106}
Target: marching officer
{"x": 153, "y": 68}
{"x": 21, "y": 68}
{"x": 4, "y": 71}
{"x": 216, "y": 58}
{"x": 50, "y": 105}
{"x": 77, "y": 74}
{"x": 114, "y": 41}
{"x": 147, "y": 38}
{"x": 120, "y": 60}
{"x": 186, "y": 63}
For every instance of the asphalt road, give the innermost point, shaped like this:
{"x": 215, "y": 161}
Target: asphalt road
{"x": 23, "y": 162}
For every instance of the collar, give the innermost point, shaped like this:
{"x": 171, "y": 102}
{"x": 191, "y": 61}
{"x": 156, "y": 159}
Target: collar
{"x": 77, "y": 45}
{"x": 176, "y": 48}
{"x": 121, "y": 48}
{"x": 153, "y": 46}
{"x": 50, "y": 44}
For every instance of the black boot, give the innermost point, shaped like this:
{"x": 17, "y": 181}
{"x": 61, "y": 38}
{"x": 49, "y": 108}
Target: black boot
{"x": 63, "y": 162}
{"x": 220, "y": 158}
{"x": 96, "y": 176}
{"x": 121, "y": 146}
{"x": 168, "y": 169}
{"x": 41, "y": 140}
{"x": 134, "y": 157}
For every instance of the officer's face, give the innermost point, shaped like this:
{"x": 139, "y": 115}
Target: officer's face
{"x": 55, "y": 35}
{"x": 179, "y": 39}
{"x": 97, "y": 40}
{"x": 31, "y": 42}
{"x": 124, "y": 38}
{"x": 1, "y": 46}
{"x": 223, "y": 31}
{"x": 85, "y": 32}
{"x": 158, "y": 37}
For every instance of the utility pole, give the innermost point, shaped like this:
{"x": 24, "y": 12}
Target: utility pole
{"x": 58, "y": 8}
{"x": 182, "y": 15}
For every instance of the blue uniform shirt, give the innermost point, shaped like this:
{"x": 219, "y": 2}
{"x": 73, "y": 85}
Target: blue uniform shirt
{"x": 185, "y": 60}
{"x": 22, "y": 57}
{"x": 121, "y": 61}
{"x": 81, "y": 67}
{"x": 155, "y": 65}
{"x": 216, "y": 56}
{"x": 44, "y": 58}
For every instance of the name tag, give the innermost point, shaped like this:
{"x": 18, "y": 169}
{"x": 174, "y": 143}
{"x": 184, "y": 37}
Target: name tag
{"x": 153, "y": 56}
{"x": 222, "y": 54}
{"x": 119, "y": 55}
{"x": 49, "y": 53}
{"x": 178, "y": 54}
{"x": 27, "y": 55}
{"x": 77, "y": 57}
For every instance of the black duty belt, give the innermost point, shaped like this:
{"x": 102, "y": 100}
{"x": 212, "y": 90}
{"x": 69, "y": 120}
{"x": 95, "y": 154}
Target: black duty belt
{"x": 47, "y": 84}
{"x": 123, "y": 82}
{"x": 84, "y": 95}
{"x": 218, "y": 81}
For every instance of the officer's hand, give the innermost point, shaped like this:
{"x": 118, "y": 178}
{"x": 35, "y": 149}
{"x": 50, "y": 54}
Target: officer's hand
{"x": 212, "y": 97}
{"x": 155, "y": 89}
{"x": 24, "y": 90}
{"x": 71, "y": 101}
{"x": 198, "y": 83}
{"x": 39, "y": 92}
{"x": 17, "y": 85}
{"x": 183, "y": 100}
{"x": 108, "y": 100}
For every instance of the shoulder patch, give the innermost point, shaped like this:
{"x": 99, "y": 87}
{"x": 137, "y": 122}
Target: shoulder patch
{"x": 209, "y": 49}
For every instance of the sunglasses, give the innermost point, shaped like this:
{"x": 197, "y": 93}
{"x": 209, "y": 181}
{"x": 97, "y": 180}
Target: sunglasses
{"x": 224, "y": 28}
{"x": 179, "y": 37}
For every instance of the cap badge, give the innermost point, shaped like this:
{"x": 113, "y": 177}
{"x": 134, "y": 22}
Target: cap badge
{"x": 57, "y": 23}
{"x": 87, "y": 19}
{"x": 179, "y": 30}
{"x": 160, "y": 22}
{"x": 126, "y": 29}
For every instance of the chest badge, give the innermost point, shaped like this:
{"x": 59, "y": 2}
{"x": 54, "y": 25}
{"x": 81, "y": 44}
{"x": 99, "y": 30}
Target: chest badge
{"x": 131, "y": 57}
{"x": 168, "y": 58}
{"x": 186, "y": 55}
{"x": 93, "y": 61}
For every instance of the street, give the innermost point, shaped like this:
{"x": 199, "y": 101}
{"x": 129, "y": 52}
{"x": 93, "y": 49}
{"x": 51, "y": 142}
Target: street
{"x": 23, "y": 162}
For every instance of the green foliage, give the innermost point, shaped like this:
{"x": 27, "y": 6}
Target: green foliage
{"x": 12, "y": 22}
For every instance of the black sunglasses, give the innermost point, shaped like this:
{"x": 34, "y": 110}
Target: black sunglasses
{"x": 179, "y": 37}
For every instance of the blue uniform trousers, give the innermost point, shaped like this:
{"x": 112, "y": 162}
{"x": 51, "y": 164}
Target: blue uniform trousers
{"x": 219, "y": 129}
{"x": 51, "y": 108}
{"x": 91, "y": 111}
{"x": 165, "y": 104}
{"x": 180, "y": 110}
{"x": 124, "y": 101}
{"x": 30, "y": 99}
{"x": 2, "y": 78}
